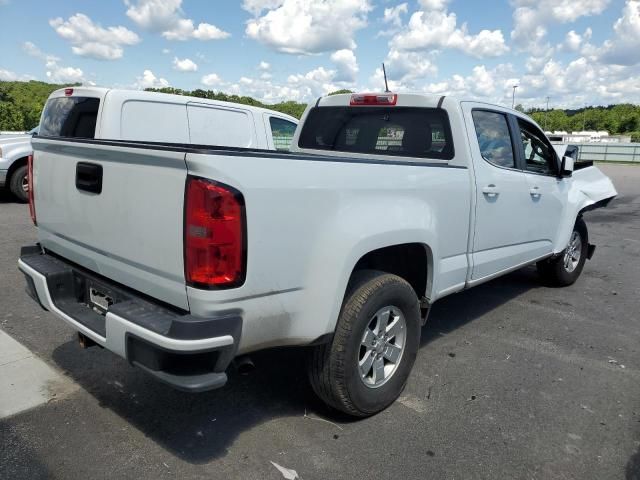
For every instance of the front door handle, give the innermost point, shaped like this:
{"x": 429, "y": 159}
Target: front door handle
{"x": 535, "y": 192}
{"x": 490, "y": 190}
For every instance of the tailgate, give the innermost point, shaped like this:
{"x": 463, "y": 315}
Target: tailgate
{"x": 126, "y": 225}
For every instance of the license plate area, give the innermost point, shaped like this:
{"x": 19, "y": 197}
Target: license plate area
{"x": 99, "y": 299}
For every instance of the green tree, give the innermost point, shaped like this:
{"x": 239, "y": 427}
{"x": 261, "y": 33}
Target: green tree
{"x": 11, "y": 117}
{"x": 338, "y": 92}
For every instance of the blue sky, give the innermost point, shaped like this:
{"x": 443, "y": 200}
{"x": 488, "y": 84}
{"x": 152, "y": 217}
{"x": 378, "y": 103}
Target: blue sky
{"x": 574, "y": 51}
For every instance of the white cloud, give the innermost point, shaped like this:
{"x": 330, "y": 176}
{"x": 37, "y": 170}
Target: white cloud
{"x": 434, "y": 29}
{"x": 312, "y": 84}
{"x": 573, "y": 41}
{"x": 531, "y": 18}
{"x": 405, "y": 71}
{"x": 570, "y": 84}
{"x": 89, "y": 39}
{"x": 433, "y": 4}
{"x": 624, "y": 48}
{"x": 32, "y": 50}
{"x": 393, "y": 15}
{"x": 255, "y": 7}
{"x": 167, "y": 17}
{"x": 166, "y": 51}
{"x": 298, "y": 27}
{"x": 184, "y": 65}
{"x": 54, "y": 72}
{"x": 153, "y": 15}
{"x": 57, "y": 74}
{"x": 346, "y": 65}
{"x": 149, "y": 80}
{"x": 264, "y": 65}
{"x": 9, "y": 76}
{"x": 184, "y": 30}
{"x": 212, "y": 80}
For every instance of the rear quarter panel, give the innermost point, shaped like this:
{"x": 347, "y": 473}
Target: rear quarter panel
{"x": 310, "y": 221}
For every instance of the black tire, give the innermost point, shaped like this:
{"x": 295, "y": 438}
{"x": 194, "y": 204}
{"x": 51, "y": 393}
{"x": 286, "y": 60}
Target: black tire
{"x": 333, "y": 368}
{"x": 555, "y": 272}
{"x": 16, "y": 184}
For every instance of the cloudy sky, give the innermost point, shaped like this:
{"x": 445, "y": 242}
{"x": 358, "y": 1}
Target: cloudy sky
{"x": 576, "y": 52}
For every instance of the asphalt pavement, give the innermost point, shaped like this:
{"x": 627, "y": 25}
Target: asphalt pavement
{"x": 513, "y": 380}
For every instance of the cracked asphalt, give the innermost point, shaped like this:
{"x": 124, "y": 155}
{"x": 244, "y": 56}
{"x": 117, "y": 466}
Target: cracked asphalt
{"x": 513, "y": 380}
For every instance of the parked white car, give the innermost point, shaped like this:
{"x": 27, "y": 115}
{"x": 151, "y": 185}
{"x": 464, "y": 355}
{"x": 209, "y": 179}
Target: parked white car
{"x": 180, "y": 258}
{"x": 15, "y": 148}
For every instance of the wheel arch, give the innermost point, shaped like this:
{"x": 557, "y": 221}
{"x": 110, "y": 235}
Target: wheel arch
{"x": 20, "y": 162}
{"x": 411, "y": 261}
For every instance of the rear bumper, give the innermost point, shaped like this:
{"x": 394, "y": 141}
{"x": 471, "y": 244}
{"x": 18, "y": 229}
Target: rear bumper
{"x": 189, "y": 353}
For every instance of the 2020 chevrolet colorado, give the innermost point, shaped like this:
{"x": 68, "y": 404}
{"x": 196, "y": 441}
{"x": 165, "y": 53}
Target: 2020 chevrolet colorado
{"x": 180, "y": 257}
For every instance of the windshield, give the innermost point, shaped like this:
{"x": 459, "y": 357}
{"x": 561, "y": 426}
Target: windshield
{"x": 397, "y": 131}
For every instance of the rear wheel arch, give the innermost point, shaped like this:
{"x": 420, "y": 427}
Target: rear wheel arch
{"x": 411, "y": 261}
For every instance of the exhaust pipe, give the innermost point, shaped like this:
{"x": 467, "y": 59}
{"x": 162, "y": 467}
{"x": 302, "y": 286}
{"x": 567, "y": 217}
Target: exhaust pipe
{"x": 244, "y": 365}
{"x": 85, "y": 342}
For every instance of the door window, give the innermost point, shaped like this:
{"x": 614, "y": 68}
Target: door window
{"x": 282, "y": 132}
{"x": 538, "y": 152}
{"x": 494, "y": 138}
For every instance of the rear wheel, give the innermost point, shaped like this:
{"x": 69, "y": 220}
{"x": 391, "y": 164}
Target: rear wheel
{"x": 366, "y": 365}
{"x": 19, "y": 184}
{"x": 565, "y": 269}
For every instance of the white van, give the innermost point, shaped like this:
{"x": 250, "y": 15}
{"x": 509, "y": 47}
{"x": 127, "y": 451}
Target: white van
{"x": 110, "y": 114}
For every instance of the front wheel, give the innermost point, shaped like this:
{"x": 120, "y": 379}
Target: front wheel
{"x": 565, "y": 269}
{"x": 366, "y": 365}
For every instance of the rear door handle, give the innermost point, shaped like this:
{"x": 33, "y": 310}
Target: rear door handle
{"x": 490, "y": 190}
{"x": 89, "y": 177}
{"x": 535, "y": 192}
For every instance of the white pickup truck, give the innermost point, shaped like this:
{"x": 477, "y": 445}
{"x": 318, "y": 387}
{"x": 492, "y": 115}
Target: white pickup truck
{"x": 181, "y": 258}
{"x": 15, "y": 148}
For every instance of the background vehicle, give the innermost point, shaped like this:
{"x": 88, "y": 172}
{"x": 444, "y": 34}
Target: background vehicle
{"x": 101, "y": 113}
{"x": 14, "y": 149}
{"x": 181, "y": 257}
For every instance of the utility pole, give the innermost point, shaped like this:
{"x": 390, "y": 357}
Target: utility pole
{"x": 546, "y": 117}
{"x": 513, "y": 98}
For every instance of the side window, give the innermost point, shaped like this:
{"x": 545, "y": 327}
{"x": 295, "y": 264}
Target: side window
{"x": 494, "y": 139}
{"x": 538, "y": 152}
{"x": 282, "y": 132}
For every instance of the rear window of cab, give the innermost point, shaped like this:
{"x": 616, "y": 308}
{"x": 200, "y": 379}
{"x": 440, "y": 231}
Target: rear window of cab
{"x": 396, "y": 131}
{"x": 73, "y": 117}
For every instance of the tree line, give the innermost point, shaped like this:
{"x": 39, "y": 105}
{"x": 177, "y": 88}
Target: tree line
{"x": 21, "y": 104}
{"x": 619, "y": 119}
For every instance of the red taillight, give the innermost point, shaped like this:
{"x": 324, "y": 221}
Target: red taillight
{"x": 32, "y": 205}
{"x": 68, "y": 92}
{"x": 214, "y": 235}
{"x": 374, "y": 99}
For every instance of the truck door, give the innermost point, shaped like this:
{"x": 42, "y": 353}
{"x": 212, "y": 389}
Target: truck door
{"x": 502, "y": 227}
{"x": 547, "y": 192}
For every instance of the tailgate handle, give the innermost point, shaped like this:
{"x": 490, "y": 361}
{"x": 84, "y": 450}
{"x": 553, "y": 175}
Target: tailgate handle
{"x": 89, "y": 177}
